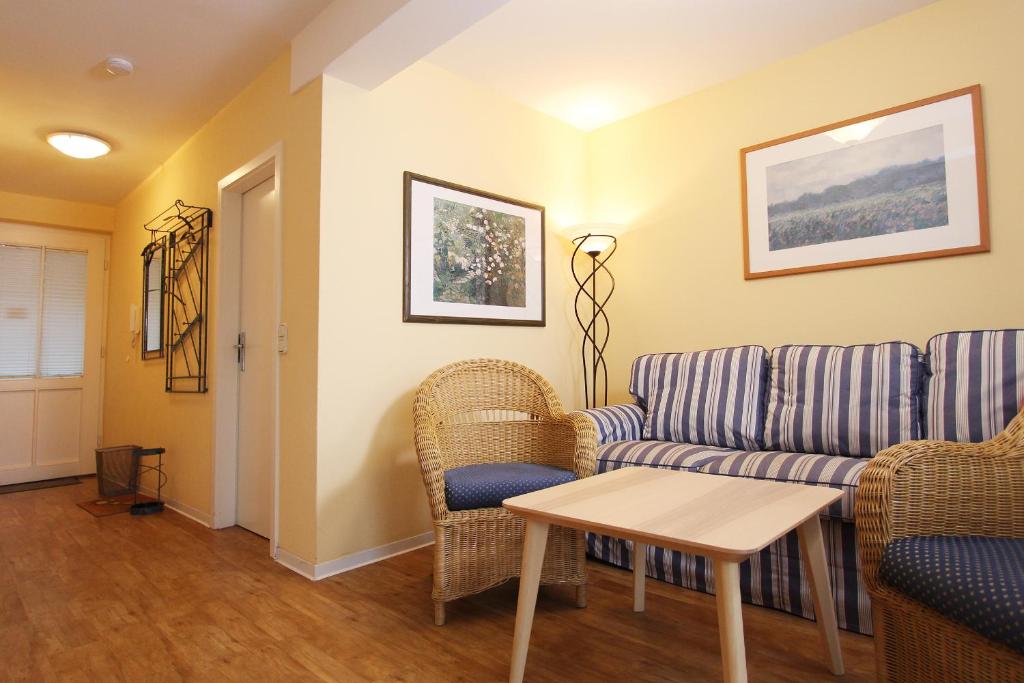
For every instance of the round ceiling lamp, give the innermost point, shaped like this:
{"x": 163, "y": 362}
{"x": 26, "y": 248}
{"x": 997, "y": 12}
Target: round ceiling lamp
{"x": 118, "y": 66}
{"x": 78, "y": 145}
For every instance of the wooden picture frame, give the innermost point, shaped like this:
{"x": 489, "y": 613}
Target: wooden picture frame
{"x": 879, "y": 216}
{"x": 471, "y": 257}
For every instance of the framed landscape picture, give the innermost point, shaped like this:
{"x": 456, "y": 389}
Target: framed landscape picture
{"x": 896, "y": 185}
{"x": 471, "y": 257}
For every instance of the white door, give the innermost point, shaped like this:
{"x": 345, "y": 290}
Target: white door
{"x": 52, "y": 308}
{"x": 257, "y": 380}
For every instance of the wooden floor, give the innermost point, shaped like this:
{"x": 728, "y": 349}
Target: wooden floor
{"x": 162, "y": 598}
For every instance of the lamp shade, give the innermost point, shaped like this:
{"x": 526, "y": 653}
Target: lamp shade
{"x": 601, "y": 235}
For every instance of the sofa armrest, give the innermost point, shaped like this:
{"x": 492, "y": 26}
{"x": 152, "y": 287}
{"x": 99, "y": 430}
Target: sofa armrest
{"x": 925, "y": 488}
{"x": 624, "y": 422}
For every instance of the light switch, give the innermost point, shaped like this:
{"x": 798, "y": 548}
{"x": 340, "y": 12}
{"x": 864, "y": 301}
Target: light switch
{"x": 282, "y": 338}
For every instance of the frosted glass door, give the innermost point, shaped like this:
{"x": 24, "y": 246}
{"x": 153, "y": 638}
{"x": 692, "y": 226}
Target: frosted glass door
{"x": 52, "y": 292}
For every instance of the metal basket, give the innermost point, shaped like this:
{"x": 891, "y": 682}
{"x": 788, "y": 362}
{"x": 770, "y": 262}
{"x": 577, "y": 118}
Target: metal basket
{"x": 117, "y": 470}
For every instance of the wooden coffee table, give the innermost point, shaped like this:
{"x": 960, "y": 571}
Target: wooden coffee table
{"x": 727, "y": 519}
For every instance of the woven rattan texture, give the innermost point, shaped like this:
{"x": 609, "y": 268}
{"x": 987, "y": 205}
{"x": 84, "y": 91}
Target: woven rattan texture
{"x": 923, "y": 488}
{"x": 482, "y": 411}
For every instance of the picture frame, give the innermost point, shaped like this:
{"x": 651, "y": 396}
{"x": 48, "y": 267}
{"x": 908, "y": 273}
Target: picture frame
{"x": 471, "y": 257}
{"x": 900, "y": 184}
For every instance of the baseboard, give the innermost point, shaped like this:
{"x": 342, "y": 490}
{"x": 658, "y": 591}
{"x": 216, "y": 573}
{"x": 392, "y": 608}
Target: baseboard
{"x": 346, "y": 563}
{"x": 296, "y": 564}
{"x": 192, "y": 513}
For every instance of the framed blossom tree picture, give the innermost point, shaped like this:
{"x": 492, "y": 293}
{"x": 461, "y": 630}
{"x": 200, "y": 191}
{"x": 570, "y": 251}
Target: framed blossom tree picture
{"x": 471, "y": 257}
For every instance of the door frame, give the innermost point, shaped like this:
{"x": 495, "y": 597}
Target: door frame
{"x": 227, "y": 298}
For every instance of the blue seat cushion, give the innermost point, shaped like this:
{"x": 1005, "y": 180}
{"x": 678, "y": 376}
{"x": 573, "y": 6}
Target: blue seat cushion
{"x": 485, "y": 486}
{"x": 974, "y": 580}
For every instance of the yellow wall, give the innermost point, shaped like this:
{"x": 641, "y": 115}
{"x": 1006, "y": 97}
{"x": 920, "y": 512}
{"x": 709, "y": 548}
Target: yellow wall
{"x": 24, "y": 208}
{"x": 137, "y": 410}
{"x": 425, "y": 120}
{"x": 673, "y": 174}
{"x": 349, "y": 478}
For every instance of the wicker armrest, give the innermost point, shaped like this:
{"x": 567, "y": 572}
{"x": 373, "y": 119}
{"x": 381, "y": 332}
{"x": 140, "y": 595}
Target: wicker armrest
{"x": 922, "y": 488}
{"x": 584, "y": 443}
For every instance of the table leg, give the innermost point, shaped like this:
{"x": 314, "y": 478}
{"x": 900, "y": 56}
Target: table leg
{"x": 529, "y": 580}
{"x": 730, "y": 620}
{"x": 639, "y": 575}
{"x": 812, "y": 545}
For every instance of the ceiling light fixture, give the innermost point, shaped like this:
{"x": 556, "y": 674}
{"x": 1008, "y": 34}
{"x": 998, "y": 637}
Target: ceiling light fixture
{"x": 118, "y": 66}
{"x": 78, "y": 145}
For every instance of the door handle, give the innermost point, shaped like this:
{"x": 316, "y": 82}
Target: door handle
{"x": 240, "y": 351}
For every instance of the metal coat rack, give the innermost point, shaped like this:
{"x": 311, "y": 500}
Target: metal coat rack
{"x": 186, "y": 229}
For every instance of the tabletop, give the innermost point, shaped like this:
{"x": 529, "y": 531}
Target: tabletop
{"x": 719, "y": 516}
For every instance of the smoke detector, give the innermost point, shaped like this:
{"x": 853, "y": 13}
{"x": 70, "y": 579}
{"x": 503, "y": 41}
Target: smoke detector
{"x": 118, "y": 66}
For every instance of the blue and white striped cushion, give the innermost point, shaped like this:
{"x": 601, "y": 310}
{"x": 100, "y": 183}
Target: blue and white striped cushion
{"x": 976, "y": 385}
{"x": 774, "y": 577}
{"x": 713, "y": 397}
{"x": 624, "y": 422}
{"x": 660, "y": 454}
{"x": 844, "y": 400}
{"x": 833, "y": 471}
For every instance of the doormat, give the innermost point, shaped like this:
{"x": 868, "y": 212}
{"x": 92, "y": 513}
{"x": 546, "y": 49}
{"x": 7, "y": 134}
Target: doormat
{"x": 104, "y": 507}
{"x": 34, "y": 485}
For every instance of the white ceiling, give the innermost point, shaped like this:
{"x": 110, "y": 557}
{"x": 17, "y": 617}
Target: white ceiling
{"x": 592, "y": 62}
{"x": 191, "y": 58}
{"x": 588, "y": 62}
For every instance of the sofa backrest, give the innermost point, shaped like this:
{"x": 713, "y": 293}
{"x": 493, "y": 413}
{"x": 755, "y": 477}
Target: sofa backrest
{"x": 844, "y": 400}
{"x": 714, "y": 398}
{"x": 976, "y": 384}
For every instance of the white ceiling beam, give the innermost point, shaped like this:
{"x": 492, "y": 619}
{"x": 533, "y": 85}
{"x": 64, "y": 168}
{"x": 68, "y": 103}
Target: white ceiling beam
{"x": 366, "y": 42}
{"x": 337, "y": 28}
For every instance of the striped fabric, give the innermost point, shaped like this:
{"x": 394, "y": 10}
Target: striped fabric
{"x": 772, "y": 578}
{"x": 660, "y": 454}
{"x": 713, "y": 397}
{"x": 976, "y": 385}
{"x": 833, "y": 471}
{"x": 617, "y": 423}
{"x": 843, "y": 400}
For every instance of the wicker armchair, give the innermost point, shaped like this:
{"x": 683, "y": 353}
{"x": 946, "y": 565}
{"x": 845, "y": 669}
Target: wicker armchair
{"x": 923, "y": 488}
{"x": 493, "y": 411}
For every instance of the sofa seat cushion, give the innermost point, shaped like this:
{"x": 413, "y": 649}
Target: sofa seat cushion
{"x": 844, "y": 400}
{"x": 485, "y": 486}
{"x": 712, "y": 397}
{"x": 662, "y": 454}
{"x": 976, "y": 384}
{"x": 974, "y": 580}
{"x": 833, "y": 471}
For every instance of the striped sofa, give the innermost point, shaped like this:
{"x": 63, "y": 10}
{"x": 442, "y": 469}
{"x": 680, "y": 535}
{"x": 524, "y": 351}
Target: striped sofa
{"x": 805, "y": 414}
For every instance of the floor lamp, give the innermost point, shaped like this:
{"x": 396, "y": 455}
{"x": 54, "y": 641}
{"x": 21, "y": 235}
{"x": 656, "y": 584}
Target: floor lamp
{"x": 595, "y": 246}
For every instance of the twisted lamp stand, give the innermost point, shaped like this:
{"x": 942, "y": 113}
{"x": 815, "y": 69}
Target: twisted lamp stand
{"x": 593, "y": 319}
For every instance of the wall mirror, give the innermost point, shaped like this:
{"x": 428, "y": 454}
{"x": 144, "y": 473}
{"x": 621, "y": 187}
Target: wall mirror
{"x": 153, "y": 259}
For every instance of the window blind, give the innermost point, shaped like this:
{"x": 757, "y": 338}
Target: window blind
{"x": 19, "y": 310}
{"x": 62, "y": 351}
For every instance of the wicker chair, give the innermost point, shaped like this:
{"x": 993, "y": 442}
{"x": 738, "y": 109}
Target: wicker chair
{"x": 923, "y": 488}
{"x": 494, "y": 411}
